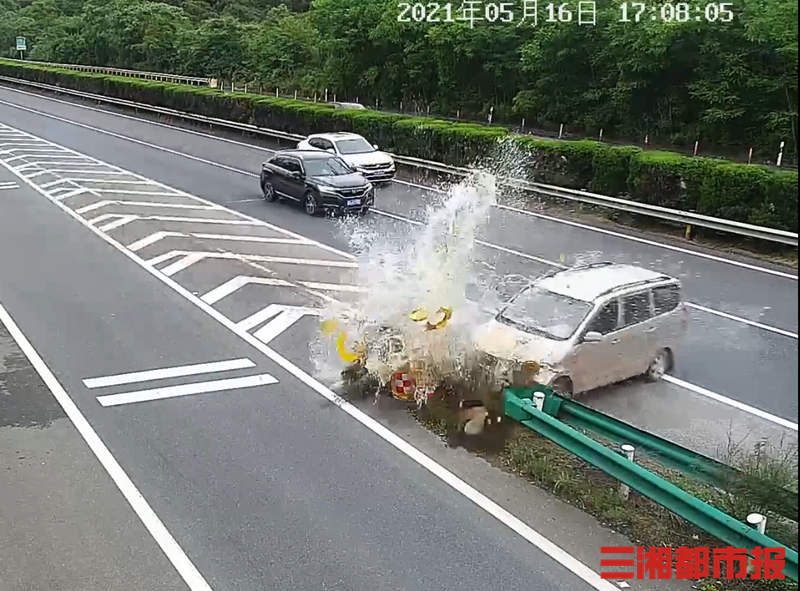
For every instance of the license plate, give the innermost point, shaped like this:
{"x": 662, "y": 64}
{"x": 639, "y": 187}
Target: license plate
{"x": 353, "y": 202}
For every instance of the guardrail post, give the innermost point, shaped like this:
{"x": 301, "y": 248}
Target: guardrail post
{"x": 757, "y": 522}
{"x": 689, "y": 234}
{"x": 624, "y": 489}
{"x": 538, "y": 400}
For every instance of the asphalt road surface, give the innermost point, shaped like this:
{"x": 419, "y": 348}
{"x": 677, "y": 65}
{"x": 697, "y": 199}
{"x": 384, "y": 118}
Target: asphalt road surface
{"x": 128, "y": 247}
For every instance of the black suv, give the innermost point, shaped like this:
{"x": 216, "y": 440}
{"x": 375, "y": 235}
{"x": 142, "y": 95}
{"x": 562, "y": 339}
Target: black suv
{"x": 318, "y": 180}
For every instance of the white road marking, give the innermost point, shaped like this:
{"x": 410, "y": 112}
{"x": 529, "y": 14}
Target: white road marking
{"x": 73, "y": 193}
{"x": 8, "y": 186}
{"x": 730, "y": 402}
{"x": 274, "y": 310}
{"x": 106, "y": 203}
{"x": 146, "y": 193}
{"x": 259, "y": 239}
{"x": 780, "y": 331}
{"x": 283, "y": 321}
{"x": 54, "y": 183}
{"x": 187, "y": 390}
{"x": 167, "y": 150}
{"x": 332, "y": 287}
{"x": 167, "y": 373}
{"x": 35, "y": 174}
{"x": 182, "y": 264}
{"x": 174, "y": 553}
{"x": 152, "y": 239}
{"x": 122, "y": 220}
{"x": 482, "y": 501}
{"x": 235, "y": 284}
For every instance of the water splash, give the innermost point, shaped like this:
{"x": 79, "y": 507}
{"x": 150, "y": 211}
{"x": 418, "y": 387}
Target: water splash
{"x": 430, "y": 269}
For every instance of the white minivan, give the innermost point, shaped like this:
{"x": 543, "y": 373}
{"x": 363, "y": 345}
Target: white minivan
{"x": 590, "y": 326}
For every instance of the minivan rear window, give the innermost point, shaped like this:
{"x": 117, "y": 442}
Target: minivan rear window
{"x": 666, "y": 298}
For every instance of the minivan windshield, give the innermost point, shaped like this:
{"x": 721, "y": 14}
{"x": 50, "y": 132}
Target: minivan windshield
{"x": 354, "y": 146}
{"x": 544, "y": 312}
{"x": 327, "y": 167}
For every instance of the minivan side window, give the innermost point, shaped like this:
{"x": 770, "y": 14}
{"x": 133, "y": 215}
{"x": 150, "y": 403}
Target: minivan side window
{"x": 666, "y": 298}
{"x": 606, "y": 320}
{"x": 636, "y": 309}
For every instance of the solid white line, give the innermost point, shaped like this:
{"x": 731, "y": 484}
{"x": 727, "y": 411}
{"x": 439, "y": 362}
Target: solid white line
{"x": 191, "y": 576}
{"x": 703, "y": 255}
{"x": 152, "y": 239}
{"x": 187, "y": 390}
{"x": 166, "y": 373}
{"x": 730, "y": 402}
{"x": 8, "y": 187}
{"x": 780, "y": 331}
{"x": 235, "y": 284}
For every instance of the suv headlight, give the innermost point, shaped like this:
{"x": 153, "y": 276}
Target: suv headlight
{"x": 327, "y": 190}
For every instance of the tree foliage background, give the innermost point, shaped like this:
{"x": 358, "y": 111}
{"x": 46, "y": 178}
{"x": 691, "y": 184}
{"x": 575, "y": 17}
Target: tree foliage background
{"x": 725, "y": 83}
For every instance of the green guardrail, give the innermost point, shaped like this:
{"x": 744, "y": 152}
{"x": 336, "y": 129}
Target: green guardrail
{"x": 668, "y": 454}
{"x": 712, "y": 520}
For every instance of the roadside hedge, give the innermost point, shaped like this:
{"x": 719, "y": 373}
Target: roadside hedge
{"x": 752, "y": 194}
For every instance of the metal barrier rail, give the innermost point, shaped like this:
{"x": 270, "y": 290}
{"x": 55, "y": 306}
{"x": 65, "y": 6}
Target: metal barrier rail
{"x": 158, "y": 76}
{"x": 669, "y": 454}
{"x": 720, "y": 525}
{"x": 663, "y": 213}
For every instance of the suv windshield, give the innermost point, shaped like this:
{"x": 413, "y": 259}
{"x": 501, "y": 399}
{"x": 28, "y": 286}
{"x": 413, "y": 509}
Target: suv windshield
{"x": 327, "y": 167}
{"x": 354, "y": 146}
{"x": 547, "y": 313}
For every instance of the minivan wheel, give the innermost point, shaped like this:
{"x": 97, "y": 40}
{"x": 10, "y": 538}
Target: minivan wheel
{"x": 564, "y": 387}
{"x": 659, "y": 366}
{"x": 269, "y": 192}
{"x": 310, "y": 204}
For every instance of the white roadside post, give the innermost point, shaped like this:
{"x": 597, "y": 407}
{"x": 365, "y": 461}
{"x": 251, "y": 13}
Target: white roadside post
{"x": 757, "y": 522}
{"x": 491, "y": 115}
{"x": 326, "y": 95}
{"x": 295, "y": 95}
{"x": 780, "y": 154}
{"x": 624, "y": 489}
{"x": 561, "y": 131}
{"x": 696, "y": 147}
{"x": 538, "y": 401}
{"x": 750, "y": 157}
{"x": 601, "y": 135}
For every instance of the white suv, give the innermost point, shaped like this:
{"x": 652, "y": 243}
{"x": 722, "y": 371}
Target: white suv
{"x": 589, "y": 327}
{"x": 357, "y": 152}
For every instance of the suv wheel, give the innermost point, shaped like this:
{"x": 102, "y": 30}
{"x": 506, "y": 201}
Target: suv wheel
{"x": 564, "y": 387}
{"x": 311, "y": 204}
{"x": 659, "y": 366}
{"x": 269, "y": 192}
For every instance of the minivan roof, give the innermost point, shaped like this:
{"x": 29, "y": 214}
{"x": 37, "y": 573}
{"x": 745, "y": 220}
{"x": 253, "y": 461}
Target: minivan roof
{"x": 592, "y": 281}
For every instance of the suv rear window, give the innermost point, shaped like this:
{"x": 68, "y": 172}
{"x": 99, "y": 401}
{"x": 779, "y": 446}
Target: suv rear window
{"x": 636, "y": 308}
{"x": 666, "y": 298}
